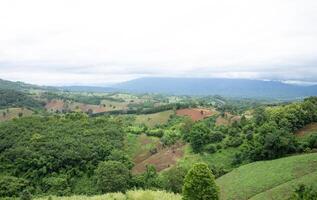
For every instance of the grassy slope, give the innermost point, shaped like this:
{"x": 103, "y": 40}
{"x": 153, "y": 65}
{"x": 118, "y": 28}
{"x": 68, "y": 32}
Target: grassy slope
{"x": 130, "y": 195}
{"x": 154, "y": 119}
{"x": 264, "y": 179}
{"x": 14, "y": 113}
{"x": 222, "y": 158}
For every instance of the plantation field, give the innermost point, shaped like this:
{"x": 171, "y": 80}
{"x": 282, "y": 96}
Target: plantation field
{"x": 11, "y": 113}
{"x": 114, "y": 105}
{"x": 151, "y": 120}
{"x": 268, "y": 179}
{"x": 196, "y": 113}
{"x": 147, "y": 150}
{"x": 130, "y": 195}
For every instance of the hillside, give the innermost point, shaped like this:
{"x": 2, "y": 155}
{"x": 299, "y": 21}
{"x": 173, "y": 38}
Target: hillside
{"x": 267, "y": 179}
{"x": 218, "y": 86}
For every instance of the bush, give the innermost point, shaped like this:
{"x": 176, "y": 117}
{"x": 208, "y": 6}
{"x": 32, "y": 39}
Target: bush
{"x": 173, "y": 179}
{"x": 210, "y": 148}
{"x": 234, "y": 141}
{"x": 216, "y": 137}
{"x": 302, "y": 192}
{"x": 26, "y": 195}
{"x": 11, "y": 186}
{"x": 312, "y": 141}
{"x": 112, "y": 176}
{"x": 155, "y": 132}
{"x": 199, "y": 184}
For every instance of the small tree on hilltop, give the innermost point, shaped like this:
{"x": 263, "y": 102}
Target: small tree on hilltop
{"x": 199, "y": 184}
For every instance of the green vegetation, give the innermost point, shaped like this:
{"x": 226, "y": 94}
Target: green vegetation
{"x": 12, "y": 98}
{"x": 151, "y": 120}
{"x": 129, "y": 195}
{"x": 55, "y": 154}
{"x": 136, "y": 146}
{"x": 11, "y": 113}
{"x": 274, "y": 178}
{"x": 199, "y": 184}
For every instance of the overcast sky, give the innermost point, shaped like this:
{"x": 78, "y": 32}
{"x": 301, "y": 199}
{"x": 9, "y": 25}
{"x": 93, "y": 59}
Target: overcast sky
{"x": 97, "y": 42}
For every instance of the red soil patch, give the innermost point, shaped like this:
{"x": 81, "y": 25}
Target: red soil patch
{"x": 55, "y": 105}
{"x": 307, "y": 129}
{"x": 163, "y": 159}
{"x": 195, "y": 113}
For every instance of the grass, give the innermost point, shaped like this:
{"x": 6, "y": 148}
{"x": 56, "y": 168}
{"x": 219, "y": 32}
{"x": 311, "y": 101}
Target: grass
{"x": 11, "y": 113}
{"x": 275, "y": 178}
{"x": 114, "y": 105}
{"x": 222, "y": 158}
{"x": 151, "y": 120}
{"x": 130, "y": 195}
{"x": 139, "y": 144}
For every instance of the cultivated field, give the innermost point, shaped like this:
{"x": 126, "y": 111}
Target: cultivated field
{"x": 151, "y": 120}
{"x": 268, "y": 179}
{"x": 11, "y": 113}
{"x": 195, "y": 113}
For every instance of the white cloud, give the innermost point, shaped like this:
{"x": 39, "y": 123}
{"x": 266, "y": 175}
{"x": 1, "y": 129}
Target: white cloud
{"x": 96, "y": 41}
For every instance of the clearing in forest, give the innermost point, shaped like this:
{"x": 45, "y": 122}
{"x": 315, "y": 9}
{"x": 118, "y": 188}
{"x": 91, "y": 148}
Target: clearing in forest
{"x": 195, "y": 113}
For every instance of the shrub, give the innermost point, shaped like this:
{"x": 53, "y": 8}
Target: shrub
{"x": 216, "y": 137}
{"x": 173, "y": 179}
{"x": 112, "y": 176}
{"x": 26, "y": 195}
{"x": 199, "y": 184}
{"x": 11, "y": 186}
{"x": 210, "y": 148}
{"x": 302, "y": 192}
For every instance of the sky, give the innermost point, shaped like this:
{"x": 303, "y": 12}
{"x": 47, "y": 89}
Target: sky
{"x": 100, "y": 42}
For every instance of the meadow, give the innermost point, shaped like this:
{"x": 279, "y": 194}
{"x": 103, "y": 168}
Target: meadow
{"x": 267, "y": 179}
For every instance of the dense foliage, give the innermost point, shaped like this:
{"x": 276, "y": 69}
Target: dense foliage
{"x": 57, "y": 154}
{"x": 12, "y": 98}
{"x": 199, "y": 184}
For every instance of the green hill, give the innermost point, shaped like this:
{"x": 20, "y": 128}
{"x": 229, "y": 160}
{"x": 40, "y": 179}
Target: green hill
{"x": 269, "y": 179}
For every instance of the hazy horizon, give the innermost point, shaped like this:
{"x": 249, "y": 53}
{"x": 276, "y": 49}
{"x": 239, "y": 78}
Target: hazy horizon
{"x": 98, "y": 43}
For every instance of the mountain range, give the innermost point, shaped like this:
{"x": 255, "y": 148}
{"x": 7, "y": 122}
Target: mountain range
{"x": 239, "y": 88}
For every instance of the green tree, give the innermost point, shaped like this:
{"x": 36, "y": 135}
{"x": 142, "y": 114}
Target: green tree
{"x": 112, "y": 176}
{"x": 173, "y": 179}
{"x": 199, "y": 137}
{"x": 199, "y": 184}
{"x": 26, "y": 195}
{"x": 151, "y": 177}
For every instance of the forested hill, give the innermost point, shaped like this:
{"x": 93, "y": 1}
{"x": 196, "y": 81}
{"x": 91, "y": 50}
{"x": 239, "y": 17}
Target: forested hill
{"x": 21, "y": 86}
{"x": 218, "y": 86}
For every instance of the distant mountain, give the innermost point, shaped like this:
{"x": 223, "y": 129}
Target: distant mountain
{"x": 242, "y": 88}
{"x": 87, "y": 89}
{"x": 21, "y": 86}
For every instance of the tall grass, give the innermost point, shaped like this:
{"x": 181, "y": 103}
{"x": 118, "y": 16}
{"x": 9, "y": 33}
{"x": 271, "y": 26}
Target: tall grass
{"x": 130, "y": 195}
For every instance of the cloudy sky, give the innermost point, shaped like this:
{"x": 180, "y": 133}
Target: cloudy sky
{"x": 97, "y": 42}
